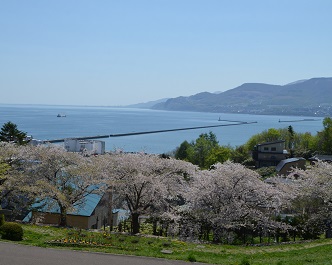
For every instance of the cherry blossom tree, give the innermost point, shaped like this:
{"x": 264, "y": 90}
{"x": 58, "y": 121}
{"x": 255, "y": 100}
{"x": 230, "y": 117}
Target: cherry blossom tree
{"x": 14, "y": 186}
{"x": 231, "y": 197}
{"x": 4, "y": 169}
{"x": 147, "y": 184}
{"x": 313, "y": 206}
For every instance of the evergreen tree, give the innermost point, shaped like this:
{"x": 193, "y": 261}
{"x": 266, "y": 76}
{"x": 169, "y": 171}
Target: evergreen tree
{"x": 10, "y": 133}
{"x": 182, "y": 151}
{"x": 290, "y": 139}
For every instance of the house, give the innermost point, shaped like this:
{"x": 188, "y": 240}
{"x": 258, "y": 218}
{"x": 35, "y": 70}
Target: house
{"x": 90, "y": 213}
{"x": 269, "y": 153}
{"x": 85, "y": 146}
{"x": 285, "y": 166}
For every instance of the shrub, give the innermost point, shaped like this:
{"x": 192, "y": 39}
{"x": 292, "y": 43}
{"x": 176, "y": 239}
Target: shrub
{"x": 191, "y": 257}
{"x": 11, "y": 231}
{"x": 266, "y": 172}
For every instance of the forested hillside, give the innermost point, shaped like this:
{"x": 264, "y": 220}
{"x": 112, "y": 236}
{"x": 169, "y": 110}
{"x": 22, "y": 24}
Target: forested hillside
{"x": 311, "y": 97}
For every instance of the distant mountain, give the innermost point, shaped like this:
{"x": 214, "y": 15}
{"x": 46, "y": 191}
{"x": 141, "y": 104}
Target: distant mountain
{"x": 297, "y": 82}
{"x": 312, "y": 97}
{"x": 147, "y": 105}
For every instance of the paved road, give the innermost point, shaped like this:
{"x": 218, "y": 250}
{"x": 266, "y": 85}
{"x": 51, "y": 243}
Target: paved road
{"x": 15, "y": 254}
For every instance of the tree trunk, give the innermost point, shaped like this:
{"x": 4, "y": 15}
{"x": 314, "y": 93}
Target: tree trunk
{"x": 244, "y": 235}
{"x": 277, "y": 235}
{"x": 155, "y": 224}
{"x": 2, "y": 219}
{"x": 328, "y": 231}
{"x": 63, "y": 216}
{"x": 135, "y": 223}
{"x": 110, "y": 210}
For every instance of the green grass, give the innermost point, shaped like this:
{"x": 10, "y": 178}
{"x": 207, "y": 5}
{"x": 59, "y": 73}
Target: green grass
{"x": 315, "y": 252}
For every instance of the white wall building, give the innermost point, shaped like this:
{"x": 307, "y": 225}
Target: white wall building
{"x": 85, "y": 146}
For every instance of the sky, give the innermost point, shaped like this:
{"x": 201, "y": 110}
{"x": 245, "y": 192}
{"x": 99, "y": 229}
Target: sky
{"x": 120, "y": 52}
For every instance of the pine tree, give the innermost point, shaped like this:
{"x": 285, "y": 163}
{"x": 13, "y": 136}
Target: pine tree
{"x": 10, "y": 133}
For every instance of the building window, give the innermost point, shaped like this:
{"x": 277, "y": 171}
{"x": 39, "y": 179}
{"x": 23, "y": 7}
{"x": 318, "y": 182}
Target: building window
{"x": 266, "y": 149}
{"x": 273, "y": 149}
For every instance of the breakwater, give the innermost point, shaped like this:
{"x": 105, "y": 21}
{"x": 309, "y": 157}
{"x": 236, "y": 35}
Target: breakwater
{"x": 151, "y": 132}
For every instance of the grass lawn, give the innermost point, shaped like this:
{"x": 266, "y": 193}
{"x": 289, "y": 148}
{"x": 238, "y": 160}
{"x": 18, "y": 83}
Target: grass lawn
{"x": 315, "y": 252}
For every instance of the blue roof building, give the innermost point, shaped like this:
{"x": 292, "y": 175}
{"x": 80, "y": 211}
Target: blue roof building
{"x": 92, "y": 212}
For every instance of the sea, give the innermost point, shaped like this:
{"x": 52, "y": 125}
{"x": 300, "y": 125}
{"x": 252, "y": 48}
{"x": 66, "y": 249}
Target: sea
{"x": 41, "y": 122}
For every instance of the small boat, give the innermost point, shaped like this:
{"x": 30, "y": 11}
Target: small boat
{"x": 61, "y": 115}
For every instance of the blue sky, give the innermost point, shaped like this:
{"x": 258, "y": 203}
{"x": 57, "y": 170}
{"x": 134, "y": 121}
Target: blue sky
{"x": 120, "y": 52}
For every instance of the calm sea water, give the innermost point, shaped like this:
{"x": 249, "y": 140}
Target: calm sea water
{"x": 42, "y": 123}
